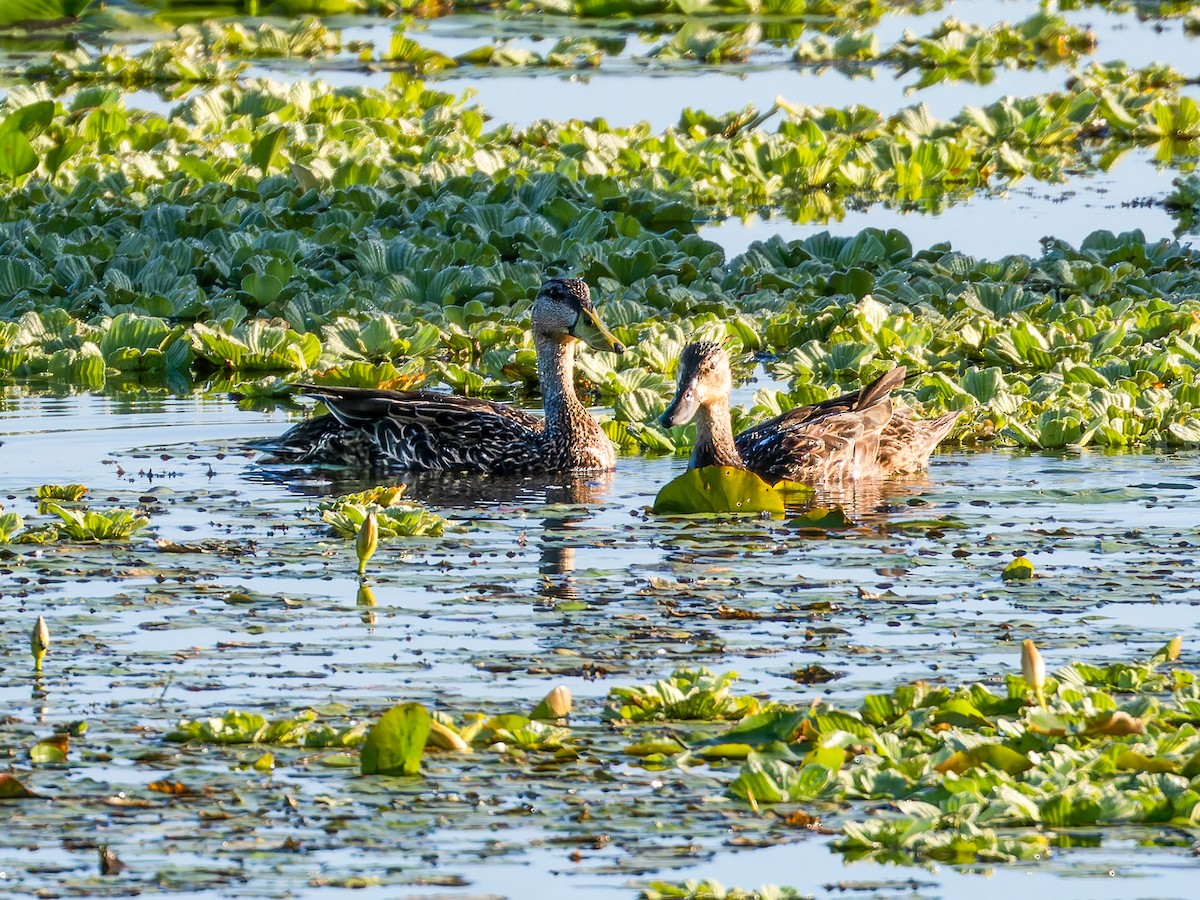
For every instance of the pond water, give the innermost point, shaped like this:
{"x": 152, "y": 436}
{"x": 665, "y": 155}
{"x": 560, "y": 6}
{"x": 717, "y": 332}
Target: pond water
{"x": 535, "y": 584}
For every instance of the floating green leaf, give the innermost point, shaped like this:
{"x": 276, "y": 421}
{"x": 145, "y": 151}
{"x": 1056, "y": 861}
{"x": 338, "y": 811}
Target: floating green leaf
{"x": 720, "y": 490}
{"x": 395, "y": 743}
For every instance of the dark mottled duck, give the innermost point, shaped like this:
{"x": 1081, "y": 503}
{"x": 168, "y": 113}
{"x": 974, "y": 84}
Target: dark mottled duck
{"x": 435, "y": 432}
{"x": 855, "y": 436}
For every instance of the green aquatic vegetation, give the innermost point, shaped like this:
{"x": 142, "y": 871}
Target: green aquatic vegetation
{"x": 380, "y": 340}
{"x": 262, "y": 222}
{"x": 962, "y": 767}
{"x": 366, "y": 542}
{"x": 1184, "y": 202}
{"x": 11, "y": 788}
{"x": 718, "y": 490}
{"x": 1019, "y": 568}
{"x": 714, "y": 890}
{"x": 346, "y": 515}
{"x": 395, "y": 743}
{"x": 963, "y": 51}
{"x": 411, "y": 55}
{"x": 556, "y": 705}
{"x": 689, "y": 694}
{"x": 822, "y": 518}
{"x": 518, "y": 732}
{"x": 11, "y": 524}
{"x": 60, "y": 492}
{"x": 75, "y": 524}
{"x": 257, "y": 345}
{"x": 96, "y": 525}
{"x": 144, "y": 344}
{"x": 807, "y": 154}
{"x": 17, "y": 156}
{"x": 382, "y": 496}
{"x": 214, "y": 52}
{"x": 863, "y": 11}
{"x": 708, "y": 45}
{"x": 921, "y": 836}
{"x": 203, "y": 53}
{"x": 242, "y": 727}
{"x": 1110, "y": 365}
{"x": 305, "y": 37}
{"x": 19, "y": 12}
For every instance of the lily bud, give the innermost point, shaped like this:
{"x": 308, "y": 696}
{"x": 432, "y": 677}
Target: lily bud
{"x": 367, "y": 541}
{"x": 445, "y": 738}
{"x": 1173, "y": 648}
{"x": 1033, "y": 670}
{"x": 555, "y": 705}
{"x": 39, "y": 643}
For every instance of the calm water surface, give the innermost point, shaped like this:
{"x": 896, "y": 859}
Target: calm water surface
{"x": 541, "y": 584}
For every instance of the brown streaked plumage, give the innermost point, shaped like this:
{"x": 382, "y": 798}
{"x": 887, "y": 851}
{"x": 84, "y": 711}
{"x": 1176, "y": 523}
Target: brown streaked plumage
{"x": 431, "y": 431}
{"x": 854, "y": 436}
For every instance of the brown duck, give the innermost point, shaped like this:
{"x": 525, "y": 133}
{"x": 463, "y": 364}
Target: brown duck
{"x": 854, "y": 436}
{"x": 431, "y": 431}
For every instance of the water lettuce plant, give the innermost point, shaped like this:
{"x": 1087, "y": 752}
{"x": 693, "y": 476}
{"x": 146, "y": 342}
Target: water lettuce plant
{"x": 268, "y": 239}
{"x": 348, "y": 515}
{"x": 96, "y": 525}
{"x": 74, "y": 523}
{"x": 959, "y": 768}
{"x": 687, "y": 694}
{"x": 68, "y": 493}
{"x": 243, "y": 727}
{"x": 936, "y": 772}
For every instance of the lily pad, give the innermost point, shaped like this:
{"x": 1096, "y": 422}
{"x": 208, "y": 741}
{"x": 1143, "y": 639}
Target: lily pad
{"x": 395, "y": 744}
{"x": 824, "y": 518}
{"x": 717, "y": 490}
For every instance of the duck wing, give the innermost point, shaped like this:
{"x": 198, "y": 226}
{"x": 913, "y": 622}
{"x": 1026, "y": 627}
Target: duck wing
{"x": 906, "y": 442}
{"x": 324, "y": 441}
{"x": 827, "y": 441}
{"x": 430, "y": 431}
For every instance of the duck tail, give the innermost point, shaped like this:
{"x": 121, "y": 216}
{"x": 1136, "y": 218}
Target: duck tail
{"x": 940, "y": 427}
{"x": 880, "y": 388}
{"x": 355, "y": 407}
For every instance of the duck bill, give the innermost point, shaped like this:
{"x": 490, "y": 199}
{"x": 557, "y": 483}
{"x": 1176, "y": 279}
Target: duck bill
{"x": 682, "y": 409}
{"x": 589, "y": 329}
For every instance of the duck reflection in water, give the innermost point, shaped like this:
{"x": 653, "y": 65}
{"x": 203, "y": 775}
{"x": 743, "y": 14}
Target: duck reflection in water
{"x": 559, "y": 539}
{"x": 870, "y": 501}
{"x": 443, "y": 490}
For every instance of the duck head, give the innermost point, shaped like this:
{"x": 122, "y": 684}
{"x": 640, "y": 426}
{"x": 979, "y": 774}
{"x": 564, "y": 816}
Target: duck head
{"x": 564, "y": 307}
{"x": 704, "y": 378}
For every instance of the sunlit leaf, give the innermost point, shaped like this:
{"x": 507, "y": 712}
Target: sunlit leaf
{"x": 395, "y": 743}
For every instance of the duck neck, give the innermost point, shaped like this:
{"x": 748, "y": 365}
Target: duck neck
{"x": 556, "y": 375}
{"x": 714, "y": 437}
